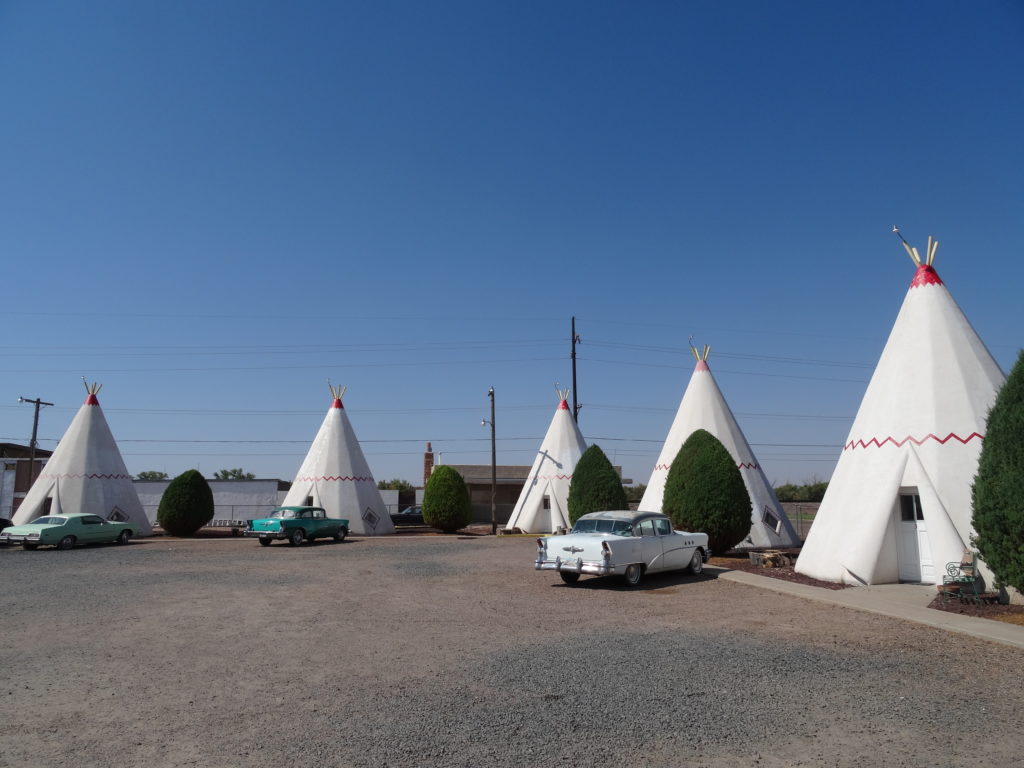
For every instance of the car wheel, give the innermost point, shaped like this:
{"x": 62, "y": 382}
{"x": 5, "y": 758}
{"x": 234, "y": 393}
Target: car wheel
{"x": 265, "y": 541}
{"x": 696, "y": 563}
{"x": 569, "y": 577}
{"x": 633, "y": 574}
{"x": 124, "y": 537}
{"x": 296, "y": 537}
{"x": 341, "y": 534}
{"x": 66, "y": 543}
{"x": 30, "y": 545}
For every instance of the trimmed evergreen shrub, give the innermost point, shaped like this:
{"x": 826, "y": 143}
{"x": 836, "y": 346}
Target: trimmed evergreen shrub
{"x": 998, "y": 490}
{"x": 187, "y": 504}
{"x": 704, "y": 492}
{"x": 595, "y": 485}
{"x": 446, "y": 502}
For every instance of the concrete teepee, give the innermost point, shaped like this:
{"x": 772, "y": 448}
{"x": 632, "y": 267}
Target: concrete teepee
{"x": 898, "y": 506}
{"x": 335, "y": 476}
{"x": 543, "y": 503}
{"x": 86, "y": 474}
{"x": 704, "y": 407}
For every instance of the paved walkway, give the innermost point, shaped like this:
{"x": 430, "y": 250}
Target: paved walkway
{"x": 902, "y": 601}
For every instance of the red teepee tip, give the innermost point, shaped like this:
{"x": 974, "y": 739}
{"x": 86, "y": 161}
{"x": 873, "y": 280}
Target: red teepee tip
{"x": 925, "y": 275}
{"x": 91, "y": 400}
{"x": 563, "y": 406}
{"x": 337, "y": 403}
{"x": 702, "y": 366}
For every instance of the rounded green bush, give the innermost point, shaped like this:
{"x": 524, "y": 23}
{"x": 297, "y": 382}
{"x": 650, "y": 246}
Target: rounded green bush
{"x": 446, "y": 502}
{"x": 998, "y": 490}
{"x": 595, "y": 485}
{"x": 187, "y": 504}
{"x": 704, "y": 492}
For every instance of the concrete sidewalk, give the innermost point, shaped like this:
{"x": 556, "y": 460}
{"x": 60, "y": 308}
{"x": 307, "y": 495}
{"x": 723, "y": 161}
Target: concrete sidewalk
{"x": 901, "y": 601}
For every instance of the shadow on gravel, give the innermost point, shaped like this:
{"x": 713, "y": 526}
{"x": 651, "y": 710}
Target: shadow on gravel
{"x": 666, "y": 582}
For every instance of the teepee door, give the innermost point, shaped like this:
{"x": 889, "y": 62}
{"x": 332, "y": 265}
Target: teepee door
{"x": 915, "y": 556}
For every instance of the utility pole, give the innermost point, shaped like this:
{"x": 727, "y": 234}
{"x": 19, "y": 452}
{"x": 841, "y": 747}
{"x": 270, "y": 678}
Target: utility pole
{"x": 494, "y": 471}
{"x": 575, "y": 340}
{"x": 32, "y": 444}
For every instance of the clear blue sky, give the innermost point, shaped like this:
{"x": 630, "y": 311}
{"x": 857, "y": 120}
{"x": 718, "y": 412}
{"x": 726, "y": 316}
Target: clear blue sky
{"x": 214, "y": 207}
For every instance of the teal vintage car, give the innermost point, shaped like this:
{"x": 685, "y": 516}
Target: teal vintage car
{"x": 297, "y": 524}
{"x": 65, "y": 531}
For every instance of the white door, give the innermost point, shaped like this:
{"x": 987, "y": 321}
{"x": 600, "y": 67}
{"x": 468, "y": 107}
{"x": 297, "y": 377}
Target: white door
{"x": 914, "y": 552}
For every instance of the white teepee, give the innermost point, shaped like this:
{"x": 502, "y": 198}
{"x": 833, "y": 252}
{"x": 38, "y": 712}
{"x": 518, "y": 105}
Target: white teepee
{"x": 898, "y": 506}
{"x": 335, "y": 476}
{"x": 86, "y": 474}
{"x": 704, "y": 407}
{"x": 543, "y": 504}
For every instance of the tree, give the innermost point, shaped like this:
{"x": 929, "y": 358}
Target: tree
{"x": 704, "y": 491}
{"x": 151, "y": 475}
{"x": 998, "y": 490}
{"x": 814, "y": 491}
{"x": 635, "y": 492}
{"x": 446, "y": 502}
{"x": 595, "y": 485}
{"x": 394, "y": 484}
{"x": 187, "y": 504}
{"x": 233, "y": 474}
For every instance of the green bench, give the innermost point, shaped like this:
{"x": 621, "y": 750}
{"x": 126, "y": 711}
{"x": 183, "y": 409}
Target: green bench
{"x": 961, "y": 579}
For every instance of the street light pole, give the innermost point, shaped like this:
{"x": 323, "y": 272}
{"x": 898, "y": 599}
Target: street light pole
{"x": 32, "y": 443}
{"x": 494, "y": 471}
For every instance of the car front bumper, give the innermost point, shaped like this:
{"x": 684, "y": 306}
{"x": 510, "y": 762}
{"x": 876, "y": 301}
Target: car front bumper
{"x": 575, "y": 565}
{"x": 18, "y": 538}
{"x": 265, "y": 534}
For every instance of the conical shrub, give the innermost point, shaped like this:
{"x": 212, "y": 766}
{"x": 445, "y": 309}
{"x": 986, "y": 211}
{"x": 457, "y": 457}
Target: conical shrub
{"x": 187, "y": 504}
{"x": 446, "y": 502}
{"x": 704, "y": 492}
{"x": 595, "y": 485}
{"x": 998, "y": 490}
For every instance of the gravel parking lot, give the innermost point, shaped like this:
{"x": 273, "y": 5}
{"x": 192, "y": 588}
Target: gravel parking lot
{"x": 445, "y": 651}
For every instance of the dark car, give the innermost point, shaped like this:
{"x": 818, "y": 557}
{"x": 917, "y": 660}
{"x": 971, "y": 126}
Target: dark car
{"x": 5, "y": 523}
{"x": 408, "y": 516}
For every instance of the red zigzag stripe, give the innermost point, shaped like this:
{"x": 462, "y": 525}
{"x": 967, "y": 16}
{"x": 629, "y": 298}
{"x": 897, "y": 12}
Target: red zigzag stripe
{"x": 339, "y": 478}
{"x": 898, "y": 443}
{"x": 551, "y": 477}
{"x": 739, "y": 466}
{"x": 87, "y": 477}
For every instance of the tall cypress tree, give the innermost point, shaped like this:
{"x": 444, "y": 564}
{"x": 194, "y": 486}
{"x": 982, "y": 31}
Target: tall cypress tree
{"x": 998, "y": 490}
{"x": 595, "y": 485}
{"x": 704, "y": 491}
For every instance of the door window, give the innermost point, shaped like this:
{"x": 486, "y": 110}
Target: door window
{"x": 663, "y": 527}
{"x": 910, "y": 508}
{"x": 647, "y": 528}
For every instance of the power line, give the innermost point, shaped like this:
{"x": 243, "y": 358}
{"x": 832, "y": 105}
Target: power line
{"x": 336, "y": 367}
{"x": 720, "y": 370}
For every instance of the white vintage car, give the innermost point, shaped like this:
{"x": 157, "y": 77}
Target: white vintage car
{"x": 626, "y": 543}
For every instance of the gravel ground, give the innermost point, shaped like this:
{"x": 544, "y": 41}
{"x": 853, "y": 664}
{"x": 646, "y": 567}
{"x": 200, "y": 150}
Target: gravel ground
{"x": 445, "y": 651}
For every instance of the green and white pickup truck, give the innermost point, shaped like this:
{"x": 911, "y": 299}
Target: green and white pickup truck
{"x": 297, "y": 524}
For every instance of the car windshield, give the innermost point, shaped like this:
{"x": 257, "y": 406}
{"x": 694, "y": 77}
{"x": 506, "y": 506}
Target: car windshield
{"x": 284, "y": 513}
{"x": 51, "y": 520}
{"x": 614, "y": 527}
